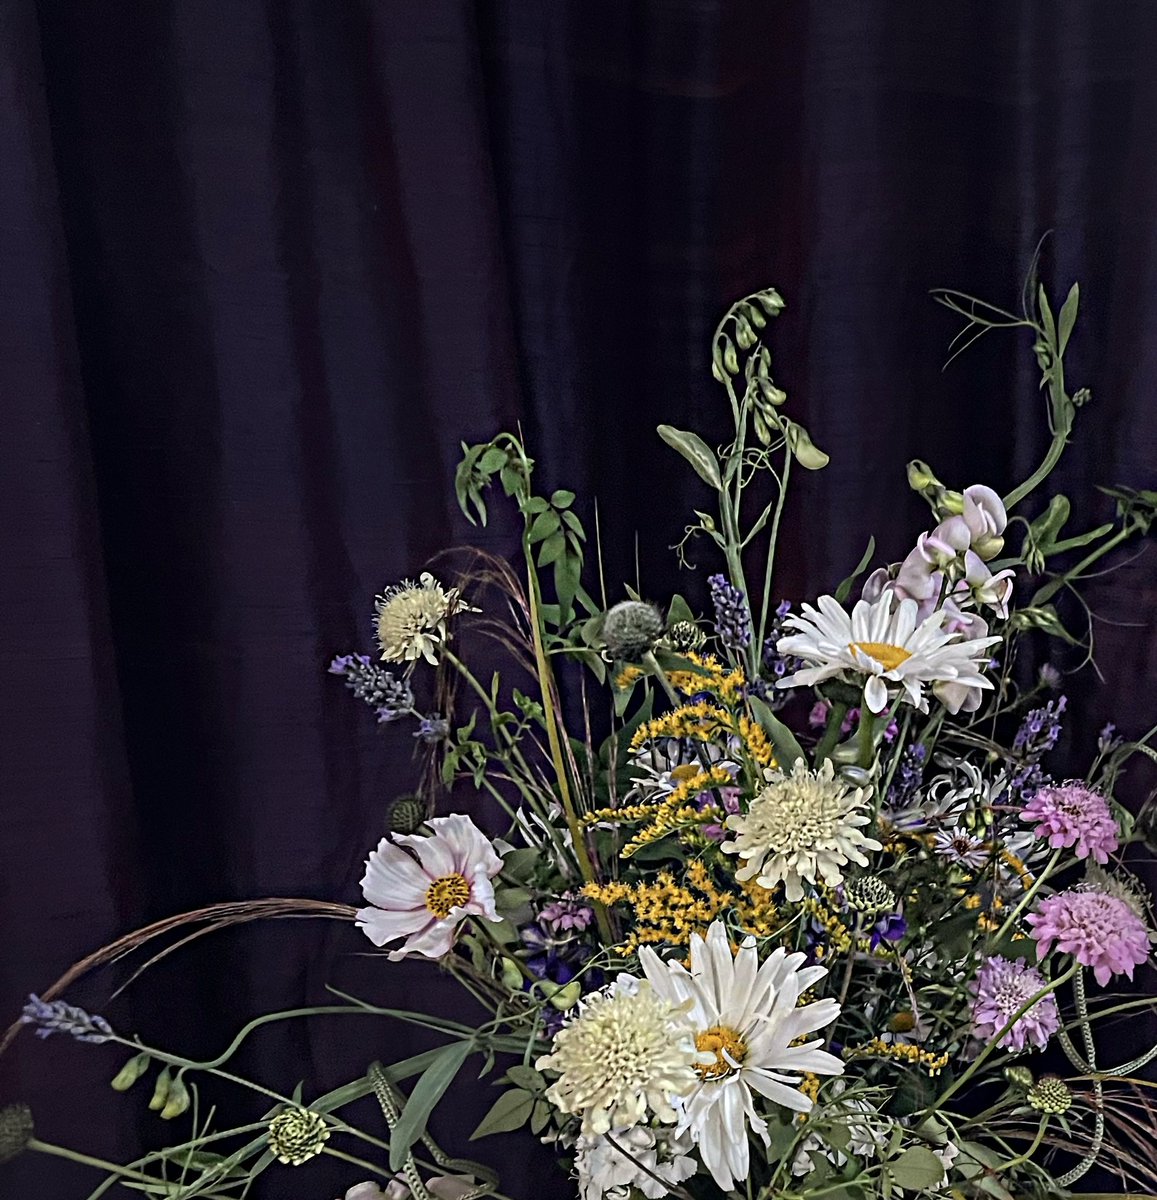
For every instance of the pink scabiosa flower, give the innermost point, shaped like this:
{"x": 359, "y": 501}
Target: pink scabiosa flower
{"x": 1071, "y": 814}
{"x": 1098, "y": 930}
{"x": 1001, "y": 987}
{"x": 424, "y": 896}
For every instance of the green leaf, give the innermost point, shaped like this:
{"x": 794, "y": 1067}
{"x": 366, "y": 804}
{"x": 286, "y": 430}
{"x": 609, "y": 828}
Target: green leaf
{"x": 845, "y": 588}
{"x": 916, "y": 1169}
{"x": 1046, "y": 315}
{"x": 679, "y": 610}
{"x": 526, "y": 1077}
{"x": 562, "y": 498}
{"x": 493, "y": 459}
{"x": 519, "y": 864}
{"x": 1067, "y": 318}
{"x": 509, "y": 1112}
{"x": 540, "y": 1116}
{"x": 552, "y": 548}
{"x": 787, "y": 750}
{"x": 432, "y": 1086}
{"x": 570, "y": 519}
{"x": 545, "y": 524}
{"x": 567, "y": 571}
{"x": 696, "y": 451}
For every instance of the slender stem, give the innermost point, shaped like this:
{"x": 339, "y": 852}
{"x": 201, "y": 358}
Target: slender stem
{"x": 1027, "y": 898}
{"x": 1023, "y": 1158}
{"x": 652, "y": 665}
{"x": 87, "y": 1160}
{"x": 831, "y": 731}
{"x": 867, "y": 733}
{"x": 772, "y": 541}
{"x": 357, "y": 1162}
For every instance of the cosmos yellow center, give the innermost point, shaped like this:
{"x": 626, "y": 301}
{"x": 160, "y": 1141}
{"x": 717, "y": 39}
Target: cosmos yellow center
{"x": 883, "y": 652}
{"x": 727, "y": 1045}
{"x": 445, "y": 893}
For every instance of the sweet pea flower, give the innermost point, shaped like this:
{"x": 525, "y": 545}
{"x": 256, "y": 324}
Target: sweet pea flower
{"x": 985, "y": 515}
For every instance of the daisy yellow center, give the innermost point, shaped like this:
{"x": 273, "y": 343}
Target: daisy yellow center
{"x": 889, "y": 656}
{"x": 445, "y": 893}
{"x": 727, "y": 1045}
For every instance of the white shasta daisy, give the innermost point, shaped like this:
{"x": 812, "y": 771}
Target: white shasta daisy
{"x": 746, "y": 1020}
{"x": 883, "y": 641}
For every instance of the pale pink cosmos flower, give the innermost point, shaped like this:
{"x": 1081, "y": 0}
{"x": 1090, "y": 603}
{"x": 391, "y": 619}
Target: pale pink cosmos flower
{"x": 1098, "y": 930}
{"x": 1001, "y": 987}
{"x": 1073, "y": 815}
{"x": 423, "y": 897}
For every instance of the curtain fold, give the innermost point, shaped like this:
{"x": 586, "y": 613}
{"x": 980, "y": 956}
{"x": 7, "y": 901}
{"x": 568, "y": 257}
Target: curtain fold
{"x": 264, "y": 264}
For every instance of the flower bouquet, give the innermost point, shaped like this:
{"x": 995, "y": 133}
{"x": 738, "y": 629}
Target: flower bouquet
{"x": 787, "y": 902}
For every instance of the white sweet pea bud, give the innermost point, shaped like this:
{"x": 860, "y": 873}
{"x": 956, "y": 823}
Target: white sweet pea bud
{"x": 986, "y": 518}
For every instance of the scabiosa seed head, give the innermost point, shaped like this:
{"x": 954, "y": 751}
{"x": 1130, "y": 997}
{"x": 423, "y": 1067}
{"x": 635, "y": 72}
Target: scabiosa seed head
{"x": 297, "y": 1135}
{"x": 1070, "y": 814}
{"x": 16, "y": 1130}
{"x": 685, "y": 637}
{"x": 732, "y": 619}
{"x": 1098, "y": 930}
{"x": 869, "y": 895}
{"x": 1051, "y": 1095}
{"x": 406, "y": 814}
{"x": 1001, "y": 987}
{"x": 630, "y": 629}
{"x": 55, "y": 1016}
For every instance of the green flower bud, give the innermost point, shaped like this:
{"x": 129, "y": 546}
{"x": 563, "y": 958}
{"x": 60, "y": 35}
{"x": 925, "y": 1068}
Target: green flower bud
{"x": 1051, "y": 1095}
{"x": 803, "y": 450}
{"x": 177, "y": 1100}
{"x": 630, "y": 629}
{"x": 130, "y": 1073}
{"x": 1019, "y": 1076}
{"x": 568, "y": 996}
{"x": 869, "y": 894}
{"x": 685, "y": 636}
{"x": 16, "y": 1130}
{"x": 161, "y": 1090}
{"x": 511, "y": 975}
{"x": 405, "y": 814}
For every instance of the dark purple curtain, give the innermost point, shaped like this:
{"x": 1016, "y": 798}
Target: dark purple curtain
{"x": 264, "y": 265}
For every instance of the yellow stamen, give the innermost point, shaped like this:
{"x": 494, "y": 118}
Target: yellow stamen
{"x": 727, "y": 1045}
{"x": 887, "y": 655}
{"x": 446, "y": 893}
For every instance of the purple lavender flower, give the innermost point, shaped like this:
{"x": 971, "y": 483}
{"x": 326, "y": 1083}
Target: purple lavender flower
{"x": 1040, "y": 729}
{"x": 432, "y": 729}
{"x": 908, "y": 777}
{"x": 1074, "y": 815}
{"x": 1001, "y": 987}
{"x": 1107, "y": 739}
{"x": 570, "y": 913}
{"x": 777, "y": 665}
{"x": 54, "y": 1016}
{"x": 1098, "y": 930}
{"x": 380, "y": 689}
{"x": 732, "y": 619}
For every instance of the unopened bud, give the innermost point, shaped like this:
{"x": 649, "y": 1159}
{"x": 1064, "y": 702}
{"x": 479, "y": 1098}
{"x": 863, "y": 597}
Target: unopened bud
{"x": 161, "y": 1090}
{"x": 130, "y": 1073}
{"x": 177, "y": 1100}
{"x": 568, "y": 996}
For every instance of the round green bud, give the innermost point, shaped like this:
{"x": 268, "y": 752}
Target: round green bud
{"x": 405, "y": 814}
{"x": 1019, "y": 1076}
{"x": 1051, "y": 1095}
{"x": 685, "y": 637}
{"x": 869, "y": 895}
{"x": 630, "y": 629}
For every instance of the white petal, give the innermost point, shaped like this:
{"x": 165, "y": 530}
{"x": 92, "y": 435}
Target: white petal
{"x": 876, "y": 694}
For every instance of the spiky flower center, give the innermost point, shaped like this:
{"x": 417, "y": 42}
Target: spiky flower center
{"x": 297, "y": 1135}
{"x": 729, "y": 1048}
{"x": 1052, "y": 1096}
{"x": 447, "y": 892}
{"x": 798, "y": 812}
{"x": 888, "y": 656}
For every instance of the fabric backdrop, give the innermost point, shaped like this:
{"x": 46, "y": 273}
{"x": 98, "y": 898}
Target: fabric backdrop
{"x": 264, "y": 265}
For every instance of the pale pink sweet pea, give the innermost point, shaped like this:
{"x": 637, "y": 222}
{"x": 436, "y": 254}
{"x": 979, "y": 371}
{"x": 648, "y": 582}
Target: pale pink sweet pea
{"x": 988, "y": 589}
{"x": 985, "y": 515}
{"x": 422, "y": 897}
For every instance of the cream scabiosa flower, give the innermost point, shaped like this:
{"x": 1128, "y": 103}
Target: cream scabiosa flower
{"x": 802, "y": 827}
{"x": 882, "y": 641}
{"x": 626, "y": 1052}
{"x": 423, "y": 897}
{"x": 411, "y": 619}
{"x": 747, "y": 1022}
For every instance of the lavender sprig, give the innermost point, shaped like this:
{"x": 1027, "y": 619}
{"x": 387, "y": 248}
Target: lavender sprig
{"x": 732, "y": 618}
{"x": 54, "y": 1016}
{"x": 389, "y": 696}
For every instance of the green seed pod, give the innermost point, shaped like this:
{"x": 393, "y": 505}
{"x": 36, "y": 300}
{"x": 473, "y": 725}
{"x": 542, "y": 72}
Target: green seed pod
{"x": 405, "y": 814}
{"x": 177, "y": 1101}
{"x": 630, "y": 629}
{"x": 568, "y": 996}
{"x": 130, "y": 1073}
{"x": 16, "y": 1130}
{"x": 161, "y": 1090}
{"x": 511, "y": 975}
